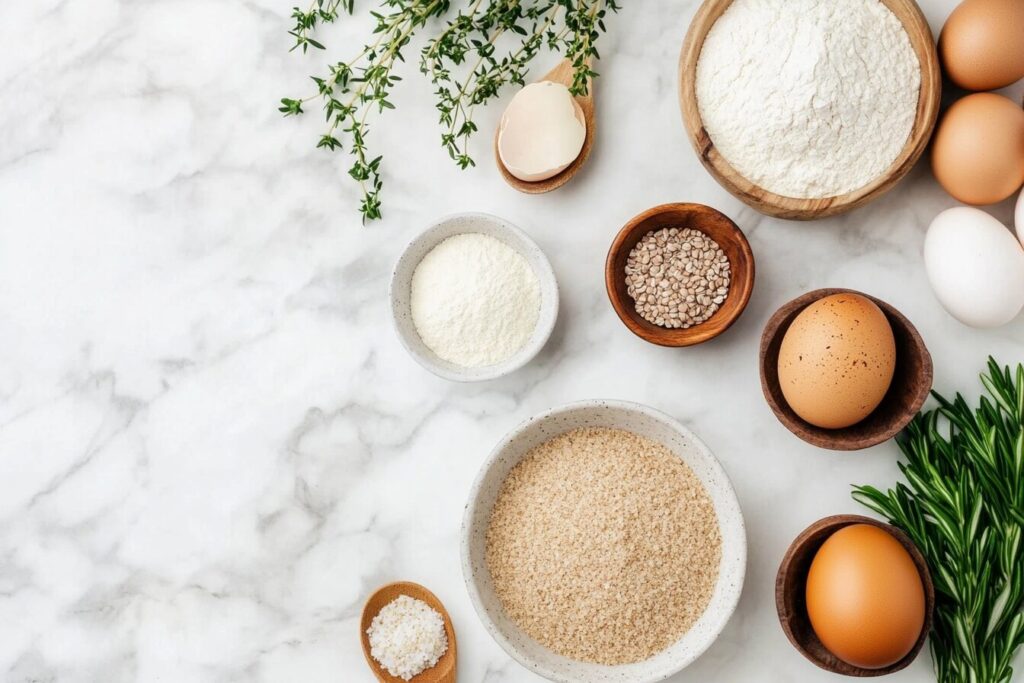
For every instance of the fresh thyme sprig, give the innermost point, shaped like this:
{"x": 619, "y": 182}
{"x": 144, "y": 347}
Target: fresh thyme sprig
{"x": 321, "y": 11}
{"x": 352, "y": 89}
{"x": 569, "y": 26}
{"x": 964, "y": 509}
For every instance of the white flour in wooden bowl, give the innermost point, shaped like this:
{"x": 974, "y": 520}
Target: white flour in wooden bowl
{"x": 808, "y": 98}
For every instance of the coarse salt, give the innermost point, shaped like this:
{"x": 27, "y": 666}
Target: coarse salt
{"x": 407, "y": 636}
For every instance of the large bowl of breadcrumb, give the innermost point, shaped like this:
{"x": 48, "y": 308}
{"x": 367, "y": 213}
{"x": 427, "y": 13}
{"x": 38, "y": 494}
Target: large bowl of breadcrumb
{"x": 602, "y": 542}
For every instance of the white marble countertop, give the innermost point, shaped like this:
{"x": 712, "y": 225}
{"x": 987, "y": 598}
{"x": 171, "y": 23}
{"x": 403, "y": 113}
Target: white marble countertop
{"x": 212, "y": 445}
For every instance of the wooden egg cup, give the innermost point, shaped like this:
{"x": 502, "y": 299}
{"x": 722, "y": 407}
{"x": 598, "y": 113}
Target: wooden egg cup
{"x": 791, "y": 603}
{"x": 911, "y": 382}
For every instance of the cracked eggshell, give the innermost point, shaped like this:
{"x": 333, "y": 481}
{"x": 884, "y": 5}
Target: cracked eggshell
{"x": 541, "y": 132}
{"x": 975, "y": 267}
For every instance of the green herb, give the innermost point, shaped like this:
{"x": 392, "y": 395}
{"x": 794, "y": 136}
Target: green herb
{"x": 568, "y": 26}
{"x": 350, "y": 90}
{"x": 964, "y": 508}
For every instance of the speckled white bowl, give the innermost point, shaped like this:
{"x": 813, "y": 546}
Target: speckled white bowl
{"x": 401, "y": 285}
{"x": 646, "y": 422}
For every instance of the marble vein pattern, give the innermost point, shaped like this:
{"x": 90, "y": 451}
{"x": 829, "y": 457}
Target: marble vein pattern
{"x": 212, "y": 445}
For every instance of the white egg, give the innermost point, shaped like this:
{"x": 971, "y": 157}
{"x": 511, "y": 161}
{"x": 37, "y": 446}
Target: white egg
{"x": 1019, "y": 217}
{"x": 975, "y": 266}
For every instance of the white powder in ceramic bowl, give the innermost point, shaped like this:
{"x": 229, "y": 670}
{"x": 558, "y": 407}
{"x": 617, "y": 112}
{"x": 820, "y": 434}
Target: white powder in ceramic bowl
{"x": 475, "y": 300}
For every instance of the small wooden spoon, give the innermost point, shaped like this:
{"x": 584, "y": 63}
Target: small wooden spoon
{"x": 560, "y": 74}
{"x": 444, "y": 670}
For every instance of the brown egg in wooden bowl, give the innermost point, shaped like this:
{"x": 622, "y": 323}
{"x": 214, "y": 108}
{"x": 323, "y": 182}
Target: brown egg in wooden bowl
{"x": 842, "y": 590}
{"x": 835, "y": 376}
{"x": 715, "y": 225}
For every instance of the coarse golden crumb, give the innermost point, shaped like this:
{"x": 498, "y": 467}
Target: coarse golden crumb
{"x": 603, "y": 546}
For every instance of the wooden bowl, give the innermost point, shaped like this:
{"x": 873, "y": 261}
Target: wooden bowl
{"x": 715, "y": 225}
{"x": 445, "y": 669}
{"x": 773, "y": 204}
{"x": 911, "y": 381}
{"x": 790, "y": 598}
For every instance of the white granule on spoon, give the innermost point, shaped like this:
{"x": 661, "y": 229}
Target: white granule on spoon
{"x": 475, "y": 300}
{"x": 407, "y": 636}
{"x": 808, "y": 98}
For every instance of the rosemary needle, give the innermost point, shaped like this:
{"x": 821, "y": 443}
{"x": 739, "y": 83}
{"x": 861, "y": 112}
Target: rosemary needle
{"x": 963, "y": 506}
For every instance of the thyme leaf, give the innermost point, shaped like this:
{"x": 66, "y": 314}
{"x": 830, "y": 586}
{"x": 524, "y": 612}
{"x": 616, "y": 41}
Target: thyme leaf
{"x": 463, "y": 62}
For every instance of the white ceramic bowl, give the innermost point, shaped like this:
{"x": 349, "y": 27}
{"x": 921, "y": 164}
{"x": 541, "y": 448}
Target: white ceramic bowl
{"x": 646, "y": 422}
{"x": 485, "y": 224}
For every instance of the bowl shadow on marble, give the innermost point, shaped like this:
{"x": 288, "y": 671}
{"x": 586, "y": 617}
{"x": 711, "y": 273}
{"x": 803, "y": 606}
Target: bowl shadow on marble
{"x": 401, "y": 285}
{"x": 645, "y": 422}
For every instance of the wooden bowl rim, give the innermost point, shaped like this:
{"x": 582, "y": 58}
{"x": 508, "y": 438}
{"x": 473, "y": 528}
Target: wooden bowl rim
{"x": 418, "y": 592}
{"x": 929, "y": 100}
{"x": 839, "y": 439}
{"x": 800, "y": 548}
{"x": 741, "y": 286}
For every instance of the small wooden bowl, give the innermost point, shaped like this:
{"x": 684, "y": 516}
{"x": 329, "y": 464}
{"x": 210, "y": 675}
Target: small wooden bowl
{"x": 773, "y": 204}
{"x": 911, "y": 381}
{"x": 791, "y": 604}
{"x": 715, "y": 225}
{"x": 445, "y": 669}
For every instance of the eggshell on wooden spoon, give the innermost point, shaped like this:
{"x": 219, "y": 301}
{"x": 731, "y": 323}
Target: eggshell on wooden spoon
{"x": 541, "y": 132}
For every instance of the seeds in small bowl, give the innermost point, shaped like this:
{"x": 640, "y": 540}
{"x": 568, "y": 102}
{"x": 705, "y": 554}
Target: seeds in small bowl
{"x": 715, "y": 227}
{"x": 677, "y": 277}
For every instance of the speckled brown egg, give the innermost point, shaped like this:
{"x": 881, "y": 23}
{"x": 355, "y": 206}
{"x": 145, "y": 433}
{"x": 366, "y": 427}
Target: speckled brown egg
{"x": 837, "y": 360}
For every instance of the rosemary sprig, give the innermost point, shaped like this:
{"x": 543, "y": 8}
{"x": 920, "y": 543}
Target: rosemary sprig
{"x": 964, "y": 508}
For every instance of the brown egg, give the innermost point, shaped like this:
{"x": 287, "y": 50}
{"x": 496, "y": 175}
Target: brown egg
{"x": 982, "y": 44}
{"x": 865, "y": 597}
{"x": 978, "y": 150}
{"x": 837, "y": 360}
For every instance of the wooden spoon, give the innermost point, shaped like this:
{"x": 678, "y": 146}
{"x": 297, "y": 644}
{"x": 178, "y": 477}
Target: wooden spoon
{"x": 444, "y": 670}
{"x": 560, "y": 74}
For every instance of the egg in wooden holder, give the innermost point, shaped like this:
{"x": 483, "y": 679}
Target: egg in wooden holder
{"x": 836, "y": 578}
{"x": 828, "y": 382}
